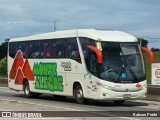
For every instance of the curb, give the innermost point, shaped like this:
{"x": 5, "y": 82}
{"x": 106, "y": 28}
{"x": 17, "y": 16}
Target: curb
{"x": 153, "y": 97}
{"x": 153, "y": 92}
{"x": 3, "y": 82}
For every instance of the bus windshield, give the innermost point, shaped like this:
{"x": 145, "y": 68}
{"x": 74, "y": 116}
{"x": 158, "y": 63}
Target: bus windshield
{"x": 122, "y": 63}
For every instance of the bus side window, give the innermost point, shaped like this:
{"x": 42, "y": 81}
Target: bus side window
{"x": 84, "y": 43}
{"x": 91, "y": 62}
{"x": 53, "y": 49}
{"x": 60, "y": 46}
{"x": 72, "y": 49}
{"x": 30, "y": 51}
{"x": 13, "y": 48}
{"x": 34, "y": 49}
{"x": 26, "y": 50}
{"x": 90, "y": 57}
{"x": 23, "y": 46}
{"x": 46, "y": 53}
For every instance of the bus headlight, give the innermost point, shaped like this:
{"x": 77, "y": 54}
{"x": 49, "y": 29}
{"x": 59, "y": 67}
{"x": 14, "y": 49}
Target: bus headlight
{"x": 104, "y": 86}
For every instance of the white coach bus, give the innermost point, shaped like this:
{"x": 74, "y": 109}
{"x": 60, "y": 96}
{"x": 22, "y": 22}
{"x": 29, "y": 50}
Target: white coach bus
{"x": 85, "y": 63}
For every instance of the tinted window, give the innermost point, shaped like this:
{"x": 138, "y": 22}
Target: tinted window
{"x": 34, "y": 50}
{"x": 60, "y": 47}
{"x": 90, "y": 57}
{"x": 23, "y": 46}
{"x": 54, "y": 48}
{"x": 72, "y": 50}
{"x": 86, "y": 41}
{"x": 13, "y": 48}
{"x": 46, "y": 48}
{"x": 91, "y": 63}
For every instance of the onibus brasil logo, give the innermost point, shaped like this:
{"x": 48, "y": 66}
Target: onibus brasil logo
{"x": 44, "y": 74}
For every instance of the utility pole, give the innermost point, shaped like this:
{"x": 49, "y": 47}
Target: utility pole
{"x": 54, "y": 26}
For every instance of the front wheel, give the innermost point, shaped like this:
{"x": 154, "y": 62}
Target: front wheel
{"x": 79, "y": 95}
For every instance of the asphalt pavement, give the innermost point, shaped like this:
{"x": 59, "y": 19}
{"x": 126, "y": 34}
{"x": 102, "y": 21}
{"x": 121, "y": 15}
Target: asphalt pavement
{"x": 50, "y": 107}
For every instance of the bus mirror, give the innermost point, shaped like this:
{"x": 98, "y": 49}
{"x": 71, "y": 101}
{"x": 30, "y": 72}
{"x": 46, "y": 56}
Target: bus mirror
{"x": 150, "y": 54}
{"x": 98, "y": 53}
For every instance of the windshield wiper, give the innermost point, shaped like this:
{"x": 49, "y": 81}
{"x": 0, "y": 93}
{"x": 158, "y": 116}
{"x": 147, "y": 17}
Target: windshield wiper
{"x": 123, "y": 70}
{"x": 131, "y": 71}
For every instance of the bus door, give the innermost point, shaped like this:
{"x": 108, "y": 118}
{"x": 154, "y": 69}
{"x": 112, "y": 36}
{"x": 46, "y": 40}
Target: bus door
{"x": 91, "y": 79}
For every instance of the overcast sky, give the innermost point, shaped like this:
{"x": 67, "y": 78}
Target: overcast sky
{"x": 140, "y": 18}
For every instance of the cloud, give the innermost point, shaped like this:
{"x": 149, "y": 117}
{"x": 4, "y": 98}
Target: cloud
{"x": 21, "y": 18}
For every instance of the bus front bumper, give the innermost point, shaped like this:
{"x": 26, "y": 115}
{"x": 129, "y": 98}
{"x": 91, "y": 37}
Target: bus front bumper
{"x": 112, "y": 95}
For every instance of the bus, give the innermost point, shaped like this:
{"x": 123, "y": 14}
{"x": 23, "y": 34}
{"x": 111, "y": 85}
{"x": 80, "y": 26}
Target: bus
{"x": 84, "y": 64}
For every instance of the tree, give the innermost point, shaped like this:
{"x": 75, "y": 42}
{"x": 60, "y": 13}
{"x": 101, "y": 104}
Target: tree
{"x": 155, "y": 49}
{"x": 3, "y": 67}
{"x": 143, "y": 42}
{"x": 3, "y": 49}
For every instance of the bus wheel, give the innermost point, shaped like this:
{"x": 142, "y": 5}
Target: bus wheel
{"x": 79, "y": 95}
{"x": 119, "y": 102}
{"x": 27, "y": 91}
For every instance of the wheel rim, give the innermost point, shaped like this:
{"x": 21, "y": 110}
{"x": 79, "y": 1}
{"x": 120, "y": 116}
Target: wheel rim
{"x": 27, "y": 90}
{"x": 79, "y": 94}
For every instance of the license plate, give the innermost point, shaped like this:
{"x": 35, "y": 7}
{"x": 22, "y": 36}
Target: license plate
{"x": 127, "y": 96}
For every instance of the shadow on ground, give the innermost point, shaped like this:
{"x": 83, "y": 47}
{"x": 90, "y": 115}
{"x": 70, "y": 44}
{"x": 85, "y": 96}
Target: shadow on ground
{"x": 89, "y": 102}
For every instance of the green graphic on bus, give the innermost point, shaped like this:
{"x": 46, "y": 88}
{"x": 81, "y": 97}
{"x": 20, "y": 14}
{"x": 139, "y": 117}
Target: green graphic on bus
{"x": 46, "y": 77}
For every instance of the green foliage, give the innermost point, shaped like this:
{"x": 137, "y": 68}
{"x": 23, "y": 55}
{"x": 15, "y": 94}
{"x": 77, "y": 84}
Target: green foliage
{"x": 155, "y": 49}
{"x": 3, "y": 49}
{"x": 148, "y": 65}
{"x": 3, "y": 67}
{"x": 143, "y": 42}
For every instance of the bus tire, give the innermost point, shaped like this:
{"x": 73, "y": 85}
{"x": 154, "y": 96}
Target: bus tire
{"x": 79, "y": 95}
{"x": 119, "y": 102}
{"x": 27, "y": 91}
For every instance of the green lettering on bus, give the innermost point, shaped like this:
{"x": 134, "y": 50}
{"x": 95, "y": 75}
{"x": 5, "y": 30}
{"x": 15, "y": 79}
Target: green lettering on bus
{"x": 46, "y": 77}
{"x": 60, "y": 83}
{"x": 35, "y": 69}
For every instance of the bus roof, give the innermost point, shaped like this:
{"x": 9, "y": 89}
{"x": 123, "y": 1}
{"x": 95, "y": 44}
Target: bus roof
{"x": 103, "y": 35}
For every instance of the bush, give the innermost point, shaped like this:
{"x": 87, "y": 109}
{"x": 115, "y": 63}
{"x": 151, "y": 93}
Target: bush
{"x": 3, "y": 67}
{"x": 148, "y": 65}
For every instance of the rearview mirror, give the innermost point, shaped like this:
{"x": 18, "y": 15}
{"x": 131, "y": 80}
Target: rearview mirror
{"x": 150, "y": 54}
{"x": 98, "y": 53}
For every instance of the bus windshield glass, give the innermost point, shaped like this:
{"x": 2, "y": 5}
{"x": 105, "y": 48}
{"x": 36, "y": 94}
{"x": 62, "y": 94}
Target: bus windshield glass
{"x": 122, "y": 63}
